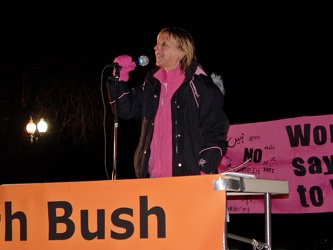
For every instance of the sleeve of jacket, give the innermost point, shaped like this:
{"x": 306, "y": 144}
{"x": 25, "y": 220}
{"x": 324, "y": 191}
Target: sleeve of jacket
{"x": 214, "y": 125}
{"x": 128, "y": 99}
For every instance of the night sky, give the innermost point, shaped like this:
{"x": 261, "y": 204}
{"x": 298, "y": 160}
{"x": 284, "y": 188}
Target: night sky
{"x": 268, "y": 55}
{"x": 273, "y": 57}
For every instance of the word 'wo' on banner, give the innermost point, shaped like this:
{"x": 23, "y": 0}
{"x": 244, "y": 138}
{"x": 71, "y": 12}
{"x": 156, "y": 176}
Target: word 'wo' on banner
{"x": 298, "y": 150}
{"x": 161, "y": 213}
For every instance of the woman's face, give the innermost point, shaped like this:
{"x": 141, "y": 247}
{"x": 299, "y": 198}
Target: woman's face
{"x": 167, "y": 52}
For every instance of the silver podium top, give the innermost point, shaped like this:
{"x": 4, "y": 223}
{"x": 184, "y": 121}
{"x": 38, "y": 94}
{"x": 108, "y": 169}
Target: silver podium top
{"x": 245, "y": 184}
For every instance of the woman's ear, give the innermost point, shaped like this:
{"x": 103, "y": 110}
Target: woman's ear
{"x": 181, "y": 55}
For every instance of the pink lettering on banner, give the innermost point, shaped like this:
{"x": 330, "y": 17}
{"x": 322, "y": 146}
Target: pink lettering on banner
{"x": 299, "y": 150}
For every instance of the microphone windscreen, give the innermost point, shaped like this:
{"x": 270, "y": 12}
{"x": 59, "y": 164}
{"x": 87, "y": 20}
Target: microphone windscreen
{"x": 143, "y": 60}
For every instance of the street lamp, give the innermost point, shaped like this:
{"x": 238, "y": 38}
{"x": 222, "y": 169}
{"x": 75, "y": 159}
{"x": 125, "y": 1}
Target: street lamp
{"x": 42, "y": 126}
{"x": 31, "y": 129}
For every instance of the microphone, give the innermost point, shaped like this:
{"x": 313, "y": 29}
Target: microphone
{"x": 141, "y": 61}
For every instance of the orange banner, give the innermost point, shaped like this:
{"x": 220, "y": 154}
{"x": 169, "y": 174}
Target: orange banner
{"x": 161, "y": 213}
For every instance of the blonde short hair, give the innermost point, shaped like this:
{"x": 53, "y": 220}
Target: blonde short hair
{"x": 184, "y": 41}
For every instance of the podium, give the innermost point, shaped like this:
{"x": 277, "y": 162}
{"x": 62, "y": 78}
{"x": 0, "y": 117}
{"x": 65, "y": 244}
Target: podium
{"x": 154, "y": 213}
{"x": 151, "y": 213}
{"x": 239, "y": 184}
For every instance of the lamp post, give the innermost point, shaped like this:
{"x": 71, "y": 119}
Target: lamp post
{"x": 31, "y": 129}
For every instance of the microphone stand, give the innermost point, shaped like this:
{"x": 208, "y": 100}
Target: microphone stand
{"x": 115, "y": 121}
